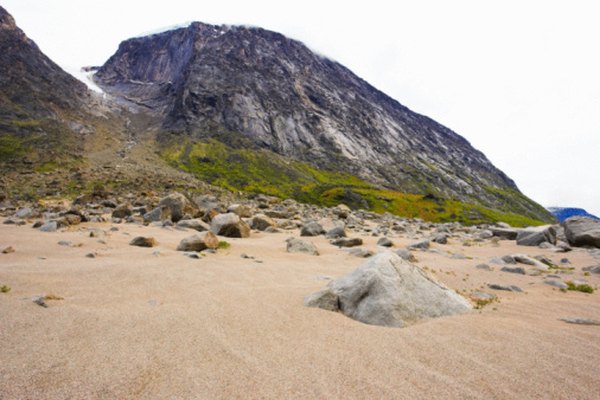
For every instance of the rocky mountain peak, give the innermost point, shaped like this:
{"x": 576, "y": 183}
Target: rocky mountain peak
{"x": 6, "y": 20}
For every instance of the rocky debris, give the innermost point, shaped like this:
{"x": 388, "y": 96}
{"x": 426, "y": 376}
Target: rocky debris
{"x": 50, "y": 226}
{"x": 158, "y": 214}
{"x": 440, "y": 238}
{"x": 556, "y": 283}
{"x": 199, "y": 242}
{"x": 420, "y": 245}
{"x": 336, "y": 232}
{"x": 389, "y": 291}
{"x": 359, "y": 252}
{"x": 594, "y": 269}
{"x": 347, "y": 242}
{"x": 514, "y": 270}
{"x": 312, "y": 228}
{"x": 581, "y": 321}
{"x": 582, "y": 231}
{"x": 122, "y": 211}
{"x": 262, "y": 222}
{"x": 385, "y": 242}
{"x": 142, "y": 241}
{"x": 406, "y": 255}
{"x": 295, "y": 245}
{"x": 505, "y": 233}
{"x": 484, "y": 267}
{"x": 195, "y": 224}
{"x": 8, "y": 250}
{"x": 24, "y": 213}
{"x": 509, "y": 288}
{"x": 229, "y": 225}
{"x": 178, "y": 205}
{"x": 534, "y": 236}
{"x": 241, "y": 210}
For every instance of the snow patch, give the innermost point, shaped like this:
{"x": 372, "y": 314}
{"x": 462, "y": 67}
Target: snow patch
{"x": 164, "y": 29}
{"x": 85, "y": 77}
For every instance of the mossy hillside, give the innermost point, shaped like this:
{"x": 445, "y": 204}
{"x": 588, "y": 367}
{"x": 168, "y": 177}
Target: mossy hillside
{"x": 261, "y": 171}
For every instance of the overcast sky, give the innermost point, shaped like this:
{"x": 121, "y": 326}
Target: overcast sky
{"x": 519, "y": 79}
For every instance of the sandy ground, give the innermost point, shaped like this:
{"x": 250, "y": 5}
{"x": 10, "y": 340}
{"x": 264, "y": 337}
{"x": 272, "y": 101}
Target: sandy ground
{"x": 135, "y": 323}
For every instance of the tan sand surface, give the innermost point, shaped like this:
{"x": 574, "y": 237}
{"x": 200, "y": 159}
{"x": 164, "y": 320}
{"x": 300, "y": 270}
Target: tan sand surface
{"x": 151, "y": 323}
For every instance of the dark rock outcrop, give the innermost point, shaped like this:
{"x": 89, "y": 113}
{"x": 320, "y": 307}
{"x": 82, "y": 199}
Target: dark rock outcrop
{"x": 582, "y": 231}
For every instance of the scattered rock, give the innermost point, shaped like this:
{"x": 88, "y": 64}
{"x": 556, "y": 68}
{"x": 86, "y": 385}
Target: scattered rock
{"x": 581, "y": 321}
{"x": 229, "y": 225}
{"x": 594, "y": 269}
{"x": 65, "y": 243}
{"x": 514, "y": 270}
{"x": 485, "y": 234}
{"x": 336, "y": 232}
{"x": 24, "y": 213}
{"x": 509, "y": 288}
{"x": 261, "y": 222}
{"x": 122, "y": 211}
{"x": 199, "y": 242}
{"x": 50, "y": 226}
{"x": 91, "y": 255}
{"x": 8, "y": 250}
{"x": 420, "y": 245}
{"x": 358, "y": 252}
{"x": 441, "y": 238}
{"x": 556, "y": 284}
{"x": 178, "y": 205}
{"x": 142, "y": 241}
{"x": 295, "y": 245}
{"x": 508, "y": 259}
{"x": 347, "y": 242}
{"x": 195, "y": 224}
{"x": 191, "y": 254}
{"x": 534, "y": 236}
{"x": 312, "y": 228}
{"x": 160, "y": 213}
{"x": 484, "y": 267}
{"x": 385, "y": 242}
{"x": 523, "y": 259}
{"x": 389, "y": 291}
{"x": 582, "y": 231}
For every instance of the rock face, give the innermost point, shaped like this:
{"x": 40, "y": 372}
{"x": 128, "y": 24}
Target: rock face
{"x": 300, "y": 105}
{"x": 389, "y": 291}
{"x": 582, "y": 231}
{"x": 229, "y": 225}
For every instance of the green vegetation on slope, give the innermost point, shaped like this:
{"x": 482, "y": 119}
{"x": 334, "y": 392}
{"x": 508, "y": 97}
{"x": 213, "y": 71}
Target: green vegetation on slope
{"x": 261, "y": 171}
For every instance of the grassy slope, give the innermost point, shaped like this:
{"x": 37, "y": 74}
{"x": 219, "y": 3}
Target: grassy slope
{"x": 261, "y": 171}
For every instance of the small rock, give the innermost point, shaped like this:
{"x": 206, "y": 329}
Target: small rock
{"x": 441, "y": 238}
{"x": 65, "y": 243}
{"x": 362, "y": 253}
{"x": 509, "y": 259}
{"x": 336, "y": 233}
{"x": 581, "y": 321}
{"x": 8, "y": 250}
{"x": 509, "y": 288}
{"x": 347, "y": 242}
{"x": 40, "y": 301}
{"x": 312, "y": 228}
{"x": 24, "y": 212}
{"x": 50, "y": 226}
{"x": 484, "y": 267}
{"x": 261, "y": 222}
{"x": 142, "y": 241}
{"x": 195, "y": 224}
{"x": 420, "y": 245}
{"x": 91, "y": 255}
{"x": 191, "y": 254}
{"x": 199, "y": 242}
{"x": 295, "y": 245}
{"x": 385, "y": 242}
{"x": 406, "y": 255}
{"x": 556, "y": 284}
{"x": 514, "y": 270}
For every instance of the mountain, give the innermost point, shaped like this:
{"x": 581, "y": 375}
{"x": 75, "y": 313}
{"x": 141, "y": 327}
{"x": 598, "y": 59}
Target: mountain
{"x": 223, "y": 90}
{"x": 562, "y": 213}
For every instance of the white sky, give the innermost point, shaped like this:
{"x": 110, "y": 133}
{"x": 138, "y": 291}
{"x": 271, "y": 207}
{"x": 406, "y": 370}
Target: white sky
{"x": 519, "y": 79}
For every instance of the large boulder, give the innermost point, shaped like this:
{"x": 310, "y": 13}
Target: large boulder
{"x": 178, "y": 204}
{"x": 229, "y": 225}
{"x": 199, "y": 242}
{"x": 505, "y": 233}
{"x": 582, "y": 231}
{"x": 389, "y": 291}
{"x": 534, "y": 236}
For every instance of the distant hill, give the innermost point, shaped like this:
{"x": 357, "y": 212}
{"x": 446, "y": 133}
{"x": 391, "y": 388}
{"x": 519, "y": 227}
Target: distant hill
{"x": 562, "y": 213}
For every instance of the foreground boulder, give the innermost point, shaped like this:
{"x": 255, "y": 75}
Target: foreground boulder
{"x": 229, "y": 225}
{"x": 199, "y": 242}
{"x": 582, "y": 231}
{"x": 389, "y": 291}
{"x": 537, "y": 235}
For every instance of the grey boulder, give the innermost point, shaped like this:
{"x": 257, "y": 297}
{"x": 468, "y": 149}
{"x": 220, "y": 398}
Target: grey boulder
{"x": 177, "y": 204}
{"x": 388, "y": 291}
{"x": 199, "y": 242}
{"x": 195, "y": 224}
{"x": 262, "y": 222}
{"x": 312, "y": 228}
{"x": 582, "y": 231}
{"x": 229, "y": 225}
{"x": 534, "y": 236}
{"x": 295, "y": 245}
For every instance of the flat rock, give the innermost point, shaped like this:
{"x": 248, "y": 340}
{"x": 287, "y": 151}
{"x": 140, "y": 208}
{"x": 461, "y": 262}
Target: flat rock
{"x": 347, "y": 242}
{"x": 581, "y": 321}
{"x": 358, "y": 252}
{"x": 556, "y": 283}
{"x": 195, "y": 224}
{"x": 420, "y": 245}
{"x": 484, "y": 267}
{"x": 295, "y": 245}
{"x": 388, "y": 291}
{"x": 505, "y": 233}
{"x": 509, "y": 288}
{"x": 514, "y": 270}
{"x": 582, "y": 231}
